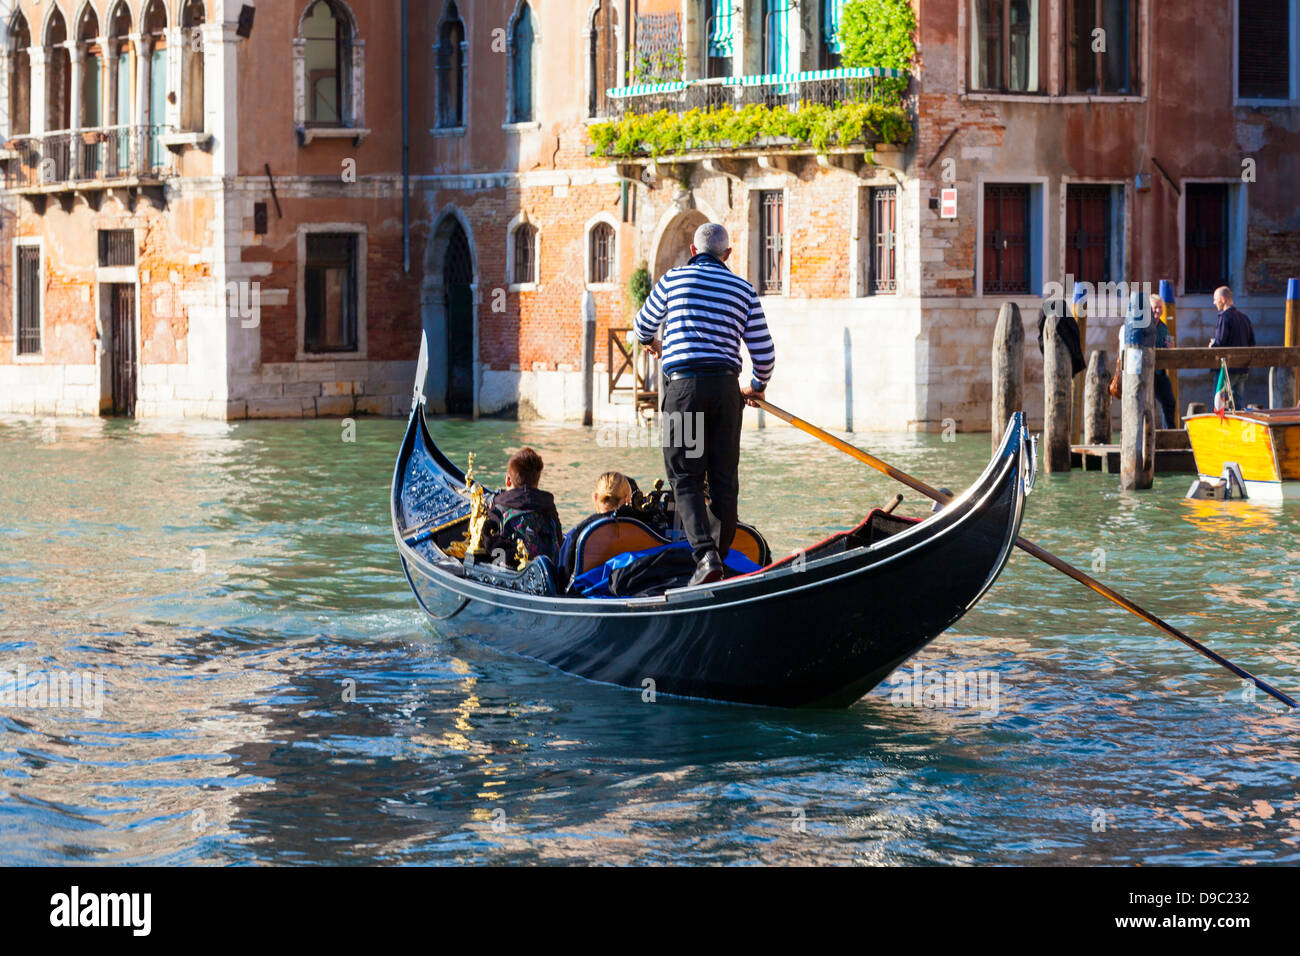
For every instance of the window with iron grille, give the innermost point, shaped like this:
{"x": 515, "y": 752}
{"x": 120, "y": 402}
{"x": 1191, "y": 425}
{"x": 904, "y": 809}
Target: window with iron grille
{"x": 1006, "y": 237}
{"x": 1004, "y": 46}
{"x": 771, "y": 235}
{"x": 29, "y": 300}
{"x": 884, "y": 233}
{"x": 525, "y": 257}
{"x": 600, "y": 268}
{"x": 1205, "y": 237}
{"x": 117, "y": 247}
{"x": 330, "y": 293}
{"x": 1088, "y": 233}
{"x": 1104, "y": 62}
{"x": 1264, "y": 49}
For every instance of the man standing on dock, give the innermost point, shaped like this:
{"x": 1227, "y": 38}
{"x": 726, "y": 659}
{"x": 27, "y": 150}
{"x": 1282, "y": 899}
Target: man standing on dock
{"x": 1233, "y": 331}
{"x": 705, "y": 311}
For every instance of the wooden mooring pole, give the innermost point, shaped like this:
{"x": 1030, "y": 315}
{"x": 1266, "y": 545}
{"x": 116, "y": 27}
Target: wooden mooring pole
{"x": 1008, "y": 368}
{"x": 1137, "y": 451}
{"x": 1096, "y": 399}
{"x": 1282, "y": 381}
{"x": 1058, "y": 392}
{"x": 1079, "y": 307}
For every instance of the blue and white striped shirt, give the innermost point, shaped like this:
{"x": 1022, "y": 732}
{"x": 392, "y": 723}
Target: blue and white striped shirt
{"x": 706, "y": 310}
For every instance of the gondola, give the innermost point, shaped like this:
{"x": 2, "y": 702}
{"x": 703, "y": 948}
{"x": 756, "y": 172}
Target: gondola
{"x": 819, "y": 628}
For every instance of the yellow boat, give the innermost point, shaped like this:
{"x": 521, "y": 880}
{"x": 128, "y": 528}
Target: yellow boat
{"x": 1263, "y": 443}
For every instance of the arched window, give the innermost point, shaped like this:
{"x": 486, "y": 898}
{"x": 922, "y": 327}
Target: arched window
{"x": 118, "y": 97}
{"x": 192, "y": 19}
{"x": 92, "y": 70}
{"x": 600, "y": 254}
{"x": 521, "y": 67}
{"x": 154, "y": 40}
{"x": 20, "y": 77}
{"x": 328, "y": 60}
{"x": 450, "y": 64}
{"x": 524, "y": 264}
{"x": 58, "y": 75}
{"x": 602, "y": 57}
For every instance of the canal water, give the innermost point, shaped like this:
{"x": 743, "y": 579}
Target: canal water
{"x": 270, "y": 692}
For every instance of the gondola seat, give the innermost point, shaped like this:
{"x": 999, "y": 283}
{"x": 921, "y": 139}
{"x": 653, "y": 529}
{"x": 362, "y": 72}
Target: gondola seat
{"x": 615, "y": 535}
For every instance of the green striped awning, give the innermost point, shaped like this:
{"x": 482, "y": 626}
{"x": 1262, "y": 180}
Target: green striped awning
{"x": 646, "y": 89}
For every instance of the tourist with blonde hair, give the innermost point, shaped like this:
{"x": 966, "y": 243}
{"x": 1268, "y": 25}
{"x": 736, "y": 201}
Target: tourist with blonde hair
{"x": 613, "y": 491}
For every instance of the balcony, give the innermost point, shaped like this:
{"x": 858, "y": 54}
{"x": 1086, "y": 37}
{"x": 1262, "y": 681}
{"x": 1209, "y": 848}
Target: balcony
{"x": 788, "y": 90}
{"x": 849, "y": 117}
{"x": 87, "y": 162}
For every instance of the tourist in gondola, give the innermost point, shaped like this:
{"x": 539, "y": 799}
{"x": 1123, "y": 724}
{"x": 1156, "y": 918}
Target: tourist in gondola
{"x": 523, "y": 512}
{"x": 705, "y": 311}
{"x": 613, "y": 491}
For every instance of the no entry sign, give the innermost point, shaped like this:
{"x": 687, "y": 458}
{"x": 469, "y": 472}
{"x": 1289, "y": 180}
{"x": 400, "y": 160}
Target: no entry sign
{"x": 948, "y": 204}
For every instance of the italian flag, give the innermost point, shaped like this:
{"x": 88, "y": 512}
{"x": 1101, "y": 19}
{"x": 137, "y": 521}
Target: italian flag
{"x": 1222, "y": 392}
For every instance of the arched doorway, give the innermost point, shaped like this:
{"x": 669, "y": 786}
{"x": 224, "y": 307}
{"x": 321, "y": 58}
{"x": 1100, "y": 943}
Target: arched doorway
{"x": 458, "y": 290}
{"x": 675, "y": 244}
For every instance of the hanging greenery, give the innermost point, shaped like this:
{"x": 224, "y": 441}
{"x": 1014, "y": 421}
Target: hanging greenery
{"x": 664, "y": 133}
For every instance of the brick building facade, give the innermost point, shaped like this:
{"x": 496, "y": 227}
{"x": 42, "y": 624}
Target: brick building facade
{"x": 283, "y": 264}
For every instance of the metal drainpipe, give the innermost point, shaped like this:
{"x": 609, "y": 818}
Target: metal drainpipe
{"x": 406, "y": 150}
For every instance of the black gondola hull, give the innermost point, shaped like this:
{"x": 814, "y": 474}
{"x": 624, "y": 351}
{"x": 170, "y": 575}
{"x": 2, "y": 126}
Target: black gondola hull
{"x": 815, "y": 633}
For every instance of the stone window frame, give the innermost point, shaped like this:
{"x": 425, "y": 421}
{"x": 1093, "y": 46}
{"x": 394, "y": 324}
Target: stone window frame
{"x": 1121, "y": 233}
{"x": 1238, "y": 221}
{"x": 304, "y": 230}
{"x": 523, "y": 219}
{"x": 588, "y": 230}
{"x": 356, "y": 129}
{"x": 754, "y": 223}
{"x": 1294, "y": 92}
{"x": 1044, "y": 58}
{"x": 1039, "y": 210}
{"x": 464, "y": 73}
{"x": 533, "y": 124}
{"x": 1136, "y": 58}
{"x": 28, "y": 358}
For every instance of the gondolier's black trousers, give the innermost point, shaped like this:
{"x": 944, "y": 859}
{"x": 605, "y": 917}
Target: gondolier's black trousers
{"x": 701, "y": 439}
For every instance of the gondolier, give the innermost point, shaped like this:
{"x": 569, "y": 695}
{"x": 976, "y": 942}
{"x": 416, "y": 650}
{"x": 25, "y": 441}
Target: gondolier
{"x": 705, "y": 311}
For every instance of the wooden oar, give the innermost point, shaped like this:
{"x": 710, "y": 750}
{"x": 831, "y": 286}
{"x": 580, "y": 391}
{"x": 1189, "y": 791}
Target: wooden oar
{"x": 1027, "y": 546}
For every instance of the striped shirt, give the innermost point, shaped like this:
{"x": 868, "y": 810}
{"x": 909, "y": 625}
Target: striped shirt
{"x": 706, "y": 310}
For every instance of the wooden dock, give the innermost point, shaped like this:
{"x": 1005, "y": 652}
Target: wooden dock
{"x": 1173, "y": 454}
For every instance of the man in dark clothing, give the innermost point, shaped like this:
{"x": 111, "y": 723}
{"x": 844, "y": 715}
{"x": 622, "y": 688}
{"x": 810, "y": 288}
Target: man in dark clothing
{"x": 1233, "y": 331}
{"x": 1067, "y": 327}
{"x": 523, "y": 512}
{"x": 706, "y": 311}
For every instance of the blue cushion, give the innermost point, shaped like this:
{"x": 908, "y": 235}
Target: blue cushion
{"x": 595, "y": 583}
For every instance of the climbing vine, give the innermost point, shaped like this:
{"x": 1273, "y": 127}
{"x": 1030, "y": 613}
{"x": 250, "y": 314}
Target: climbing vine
{"x": 879, "y": 33}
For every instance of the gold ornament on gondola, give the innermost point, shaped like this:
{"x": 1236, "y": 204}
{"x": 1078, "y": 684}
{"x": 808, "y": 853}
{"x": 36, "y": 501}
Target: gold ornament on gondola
{"x": 521, "y": 554}
{"x": 472, "y": 540}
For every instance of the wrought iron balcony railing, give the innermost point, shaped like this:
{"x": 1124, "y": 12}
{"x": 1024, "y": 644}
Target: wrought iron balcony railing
{"x": 789, "y": 90}
{"x": 86, "y": 158}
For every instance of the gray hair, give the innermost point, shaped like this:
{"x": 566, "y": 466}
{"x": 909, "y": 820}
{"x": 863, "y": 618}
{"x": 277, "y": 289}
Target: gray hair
{"x": 712, "y": 238}
{"x": 1225, "y": 292}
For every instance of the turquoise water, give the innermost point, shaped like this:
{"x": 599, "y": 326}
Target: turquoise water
{"x": 272, "y": 693}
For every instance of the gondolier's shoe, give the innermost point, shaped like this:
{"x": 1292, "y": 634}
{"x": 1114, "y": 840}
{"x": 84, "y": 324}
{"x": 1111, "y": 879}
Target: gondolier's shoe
{"x": 707, "y": 570}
